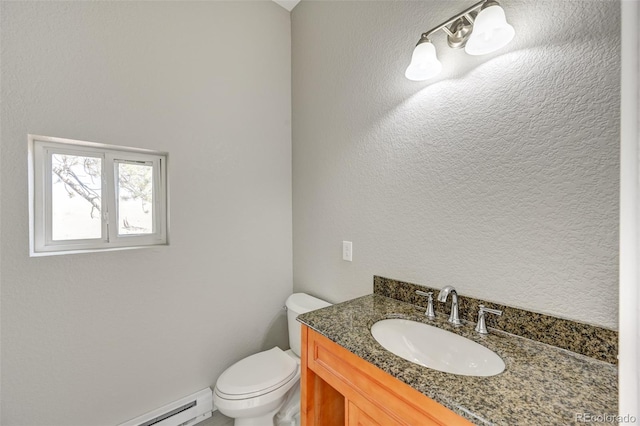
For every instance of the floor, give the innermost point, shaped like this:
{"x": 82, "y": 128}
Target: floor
{"x": 217, "y": 419}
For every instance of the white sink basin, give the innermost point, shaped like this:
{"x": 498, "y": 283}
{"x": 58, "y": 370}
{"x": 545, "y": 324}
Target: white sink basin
{"x": 436, "y": 348}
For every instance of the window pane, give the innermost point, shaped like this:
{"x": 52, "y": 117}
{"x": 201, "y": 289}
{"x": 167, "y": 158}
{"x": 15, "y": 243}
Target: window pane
{"x": 76, "y": 197}
{"x": 135, "y": 198}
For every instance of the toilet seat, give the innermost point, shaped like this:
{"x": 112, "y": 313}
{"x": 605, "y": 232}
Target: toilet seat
{"x": 257, "y": 375}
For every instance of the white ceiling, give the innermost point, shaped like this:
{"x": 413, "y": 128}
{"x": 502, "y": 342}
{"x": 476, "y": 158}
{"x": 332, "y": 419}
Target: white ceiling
{"x": 287, "y": 4}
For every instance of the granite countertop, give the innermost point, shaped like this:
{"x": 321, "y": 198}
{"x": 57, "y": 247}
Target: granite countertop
{"x": 541, "y": 384}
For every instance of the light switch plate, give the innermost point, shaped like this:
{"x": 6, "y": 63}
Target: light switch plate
{"x": 347, "y": 251}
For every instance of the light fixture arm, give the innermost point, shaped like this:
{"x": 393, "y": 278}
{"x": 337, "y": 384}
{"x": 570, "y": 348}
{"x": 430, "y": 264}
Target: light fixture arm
{"x": 465, "y": 13}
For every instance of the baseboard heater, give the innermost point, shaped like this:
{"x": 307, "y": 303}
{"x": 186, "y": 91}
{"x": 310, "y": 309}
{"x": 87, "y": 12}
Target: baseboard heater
{"x": 183, "y": 412}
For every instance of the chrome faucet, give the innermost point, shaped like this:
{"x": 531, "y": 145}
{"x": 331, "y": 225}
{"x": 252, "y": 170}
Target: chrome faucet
{"x": 442, "y": 297}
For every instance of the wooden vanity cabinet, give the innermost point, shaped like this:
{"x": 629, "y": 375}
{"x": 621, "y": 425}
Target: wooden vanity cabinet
{"x": 340, "y": 388}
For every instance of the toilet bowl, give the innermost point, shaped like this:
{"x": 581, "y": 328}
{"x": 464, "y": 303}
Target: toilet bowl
{"x": 254, "y": 389}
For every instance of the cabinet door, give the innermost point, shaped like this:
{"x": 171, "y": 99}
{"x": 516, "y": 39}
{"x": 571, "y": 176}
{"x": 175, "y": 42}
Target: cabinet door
{"x": 366, "y": 413}
{"x": 358, "y": 417}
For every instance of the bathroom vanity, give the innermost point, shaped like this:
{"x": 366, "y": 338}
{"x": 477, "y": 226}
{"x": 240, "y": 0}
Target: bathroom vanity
{"x": 348, "y": 378}
{"x": 338, "y": 388}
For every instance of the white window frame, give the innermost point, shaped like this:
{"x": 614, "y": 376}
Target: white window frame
{"x": 41, "y": 243}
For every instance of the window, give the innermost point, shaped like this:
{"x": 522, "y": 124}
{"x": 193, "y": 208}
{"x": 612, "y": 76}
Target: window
{"x": 86, "y": 196}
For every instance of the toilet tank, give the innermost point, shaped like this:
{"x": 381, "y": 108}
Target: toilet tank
{"x": 300, "y": 303}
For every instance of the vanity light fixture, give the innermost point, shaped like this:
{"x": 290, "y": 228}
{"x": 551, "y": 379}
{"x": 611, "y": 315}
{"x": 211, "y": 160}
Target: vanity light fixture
{"x": 480, "y": 29}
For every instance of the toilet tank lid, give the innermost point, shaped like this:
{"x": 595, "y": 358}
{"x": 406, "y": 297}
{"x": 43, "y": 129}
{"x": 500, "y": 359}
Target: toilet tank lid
{"x": 302, "y": 303}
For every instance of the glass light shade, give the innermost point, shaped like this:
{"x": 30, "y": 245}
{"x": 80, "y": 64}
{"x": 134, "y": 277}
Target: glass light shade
{"x": 490, "y": 32}
{"x": 424, "y": 63}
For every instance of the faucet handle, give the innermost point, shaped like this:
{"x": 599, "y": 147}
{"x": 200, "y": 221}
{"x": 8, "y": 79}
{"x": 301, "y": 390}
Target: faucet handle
{"x": 481, "y": 327}
{"x": 429, "y": 312}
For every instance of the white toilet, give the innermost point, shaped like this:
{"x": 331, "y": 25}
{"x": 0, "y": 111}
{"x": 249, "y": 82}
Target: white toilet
{"x": 254, "y": 389}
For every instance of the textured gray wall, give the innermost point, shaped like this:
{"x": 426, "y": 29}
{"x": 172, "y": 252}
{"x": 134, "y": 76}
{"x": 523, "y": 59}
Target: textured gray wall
{"x": 97, "y": 339}
{"x": 500, "y": 177}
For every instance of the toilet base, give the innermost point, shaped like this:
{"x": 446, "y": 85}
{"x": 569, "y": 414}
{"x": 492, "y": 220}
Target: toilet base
{"x": 249, "y": 412}
{"x": 265, "y": 420}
